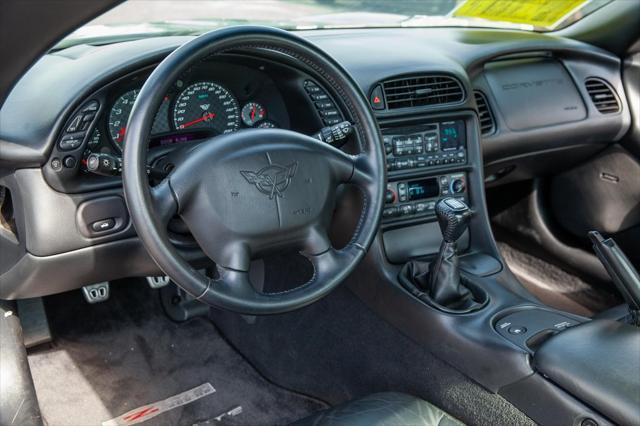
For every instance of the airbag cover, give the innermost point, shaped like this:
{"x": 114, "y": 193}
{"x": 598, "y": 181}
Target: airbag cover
{"x": 532, "y": 94}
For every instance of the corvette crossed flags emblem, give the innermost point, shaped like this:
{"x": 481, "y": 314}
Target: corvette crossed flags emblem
{"x": 273, "y": 179}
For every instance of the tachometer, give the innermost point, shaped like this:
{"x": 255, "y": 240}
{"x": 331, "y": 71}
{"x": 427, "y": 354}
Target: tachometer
{"x": 207, "y": 105}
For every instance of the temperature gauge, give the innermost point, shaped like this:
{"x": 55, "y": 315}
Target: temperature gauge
{"x": 252, "y": 113}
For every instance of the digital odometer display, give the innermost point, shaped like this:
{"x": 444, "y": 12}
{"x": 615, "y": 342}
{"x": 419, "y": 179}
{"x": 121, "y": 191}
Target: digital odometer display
{"x": 206, "y": 105}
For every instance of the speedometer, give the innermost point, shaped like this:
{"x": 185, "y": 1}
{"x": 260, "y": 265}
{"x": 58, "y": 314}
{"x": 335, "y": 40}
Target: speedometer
{"x": 207, "y": 105}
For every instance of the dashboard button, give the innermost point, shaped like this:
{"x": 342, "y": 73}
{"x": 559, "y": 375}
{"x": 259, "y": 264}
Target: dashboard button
{"x": 56, "y": 164}
{"x": 391, "y": 165}
{"x": 421, "y": 207}
{"x": 87, "y": 117}
{"x": 329, "y": 113}
{"x": 103, "y": 225}
{"x": 74, "y": 126}
{"x": 390, "y": 212}
{"x": 325, "y": 105}
{"x": 71, "y": 141}
{"x": 330, "y": 121}
{"x": 407, "y": 209}
{"x": 311, "y": 87}
{"x": 91, "y": 107}
{"x": 517, "y": 330}
{"x": 319, "y": 97}
{"x": 69, "y": 162}
{"x": 377, "y": 98}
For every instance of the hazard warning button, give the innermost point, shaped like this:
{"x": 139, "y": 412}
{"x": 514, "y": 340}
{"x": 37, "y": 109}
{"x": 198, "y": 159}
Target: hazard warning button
{"x": 377, "y": 98}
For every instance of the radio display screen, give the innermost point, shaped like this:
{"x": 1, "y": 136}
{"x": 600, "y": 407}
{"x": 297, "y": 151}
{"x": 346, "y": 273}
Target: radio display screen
{"x": 423, "y": 188}
{"x": 452, "y": 135}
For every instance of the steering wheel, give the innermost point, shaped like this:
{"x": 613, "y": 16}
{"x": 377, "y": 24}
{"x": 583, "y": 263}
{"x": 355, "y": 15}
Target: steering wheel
{"x": 253, "y": 192}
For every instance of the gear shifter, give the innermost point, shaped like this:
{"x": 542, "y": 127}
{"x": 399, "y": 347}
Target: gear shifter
{"x": 444, "y": 285}
{"x": 439, "y": 283}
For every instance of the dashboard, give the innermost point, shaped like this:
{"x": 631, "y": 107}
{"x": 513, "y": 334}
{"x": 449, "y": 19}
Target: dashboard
{"x": 458, "y": 109}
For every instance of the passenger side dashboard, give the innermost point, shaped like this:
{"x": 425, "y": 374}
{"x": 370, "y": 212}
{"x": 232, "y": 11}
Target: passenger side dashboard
{"x": 543, "y": 112}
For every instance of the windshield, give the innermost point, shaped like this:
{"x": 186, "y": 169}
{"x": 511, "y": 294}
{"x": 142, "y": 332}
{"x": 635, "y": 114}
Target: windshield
{"x": 138, "y": 18}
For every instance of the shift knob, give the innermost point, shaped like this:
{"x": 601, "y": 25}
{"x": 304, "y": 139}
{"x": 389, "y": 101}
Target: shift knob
{"x": 453, "y": 218}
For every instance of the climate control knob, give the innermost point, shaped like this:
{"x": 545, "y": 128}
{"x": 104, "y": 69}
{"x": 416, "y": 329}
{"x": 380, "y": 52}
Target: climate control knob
{"x": 390, "y": 196}
{"x": 457, "y": 186}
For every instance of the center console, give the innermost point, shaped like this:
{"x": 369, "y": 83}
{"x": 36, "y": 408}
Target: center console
{"x": 426, "y": 161}
{"x": 542, "y": 351}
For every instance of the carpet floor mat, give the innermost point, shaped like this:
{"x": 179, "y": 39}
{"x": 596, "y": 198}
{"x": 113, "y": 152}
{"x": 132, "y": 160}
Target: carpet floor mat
{"x": 554, "y": 286}
{"x": 110, "y": 358}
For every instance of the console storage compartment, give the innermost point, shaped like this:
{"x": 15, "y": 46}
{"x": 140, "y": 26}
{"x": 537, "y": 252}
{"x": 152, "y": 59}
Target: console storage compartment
{"x": 597, "y": 362}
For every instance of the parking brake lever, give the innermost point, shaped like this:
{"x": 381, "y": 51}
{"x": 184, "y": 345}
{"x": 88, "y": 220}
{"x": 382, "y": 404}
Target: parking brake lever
{"x": 621, "y": 271}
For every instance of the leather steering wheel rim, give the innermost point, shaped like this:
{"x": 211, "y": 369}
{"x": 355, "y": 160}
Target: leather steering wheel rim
{"x": 233, "y": 239}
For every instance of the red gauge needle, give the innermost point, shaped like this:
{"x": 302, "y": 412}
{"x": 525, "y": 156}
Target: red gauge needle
{"x": 120, "y": 137}
{"x": 253, "y": 113}
{"x": 198, "y": 120}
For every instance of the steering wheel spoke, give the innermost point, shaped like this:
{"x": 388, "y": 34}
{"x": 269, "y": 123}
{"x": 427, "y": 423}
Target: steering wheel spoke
{"x": 317, "y": 241}
{"x": 333, "y": 262}
{"x": 354, "y": 169}
{"x": 164, "y": 203}
{"x": 363, "y": 175}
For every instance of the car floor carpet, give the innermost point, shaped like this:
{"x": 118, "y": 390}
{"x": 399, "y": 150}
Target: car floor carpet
{"x": 555, "y": 286}
{"x": 112, "y": 357}
{"x": 338, "y": 349}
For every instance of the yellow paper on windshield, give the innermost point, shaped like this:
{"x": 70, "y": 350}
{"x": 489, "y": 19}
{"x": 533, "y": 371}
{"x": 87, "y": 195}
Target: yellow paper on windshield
{"x": 539, "y": 13}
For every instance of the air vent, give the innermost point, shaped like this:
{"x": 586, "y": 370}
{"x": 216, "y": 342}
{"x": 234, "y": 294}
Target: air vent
{"x": 487, "y": 122}
{"x": 602, "y": 95}
{"x": 418, "y": 91}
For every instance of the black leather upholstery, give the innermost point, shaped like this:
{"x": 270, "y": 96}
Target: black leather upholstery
{"x": 382, "y": 409}
{"x": 599, "y": 363}
{"x": 18, "y": 402}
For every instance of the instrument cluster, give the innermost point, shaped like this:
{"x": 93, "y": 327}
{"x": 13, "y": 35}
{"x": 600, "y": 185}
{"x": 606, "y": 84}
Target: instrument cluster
{"x": 196, "y": 107}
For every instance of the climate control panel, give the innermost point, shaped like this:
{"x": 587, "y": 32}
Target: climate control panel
{"x": 417, "y": 197}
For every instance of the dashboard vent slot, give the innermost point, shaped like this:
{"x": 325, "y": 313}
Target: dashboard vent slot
{"x": 418, "y": 91}
{"x": 487, "y": 121}
{"x": 602, "y": 95}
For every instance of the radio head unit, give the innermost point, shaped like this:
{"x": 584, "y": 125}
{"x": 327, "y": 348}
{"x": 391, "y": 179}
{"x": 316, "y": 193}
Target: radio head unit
{"x": 425, "y": 145}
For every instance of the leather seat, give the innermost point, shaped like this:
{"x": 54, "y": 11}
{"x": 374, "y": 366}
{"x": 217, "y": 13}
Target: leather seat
{"x": 382, "y": 409}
